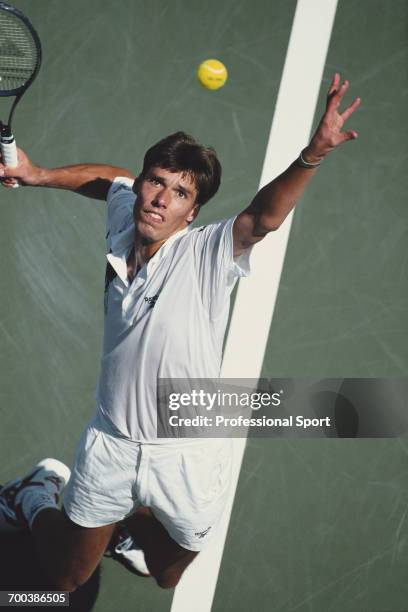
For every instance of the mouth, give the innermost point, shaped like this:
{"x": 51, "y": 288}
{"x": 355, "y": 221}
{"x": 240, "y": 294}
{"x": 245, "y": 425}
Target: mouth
{"x": 154, "y": 216}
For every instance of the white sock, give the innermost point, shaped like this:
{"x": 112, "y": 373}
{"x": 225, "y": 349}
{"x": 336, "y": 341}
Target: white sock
{"x": 34, "y": 499}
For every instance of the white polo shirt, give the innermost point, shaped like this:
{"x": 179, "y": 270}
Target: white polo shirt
{"x": 169, "y": 322}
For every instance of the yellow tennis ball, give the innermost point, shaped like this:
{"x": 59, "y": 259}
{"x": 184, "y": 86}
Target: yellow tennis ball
{"x": 212, "y": 74}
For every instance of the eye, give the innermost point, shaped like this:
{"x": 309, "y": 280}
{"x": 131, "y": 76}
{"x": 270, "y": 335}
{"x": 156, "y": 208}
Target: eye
{"x": 181, "y": 194}
{"x": 154, "y": 180}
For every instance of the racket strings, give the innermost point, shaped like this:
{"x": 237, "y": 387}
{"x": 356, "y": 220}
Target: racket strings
{"x": 18, "y": 53}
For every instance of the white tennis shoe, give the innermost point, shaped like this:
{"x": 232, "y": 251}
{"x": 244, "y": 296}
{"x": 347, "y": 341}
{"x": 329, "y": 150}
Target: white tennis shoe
{"x": 48, "y": 478}
{"x": 124, "y": 549}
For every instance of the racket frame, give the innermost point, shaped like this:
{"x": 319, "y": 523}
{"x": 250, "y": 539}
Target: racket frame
{"x": 19, "y": 91}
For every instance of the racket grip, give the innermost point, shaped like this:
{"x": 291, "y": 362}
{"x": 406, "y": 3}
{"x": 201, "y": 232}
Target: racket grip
{"x": 9, "y": 153}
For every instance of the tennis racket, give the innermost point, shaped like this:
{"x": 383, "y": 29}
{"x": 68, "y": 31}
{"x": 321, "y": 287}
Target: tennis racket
{"x": 20, "y": 60}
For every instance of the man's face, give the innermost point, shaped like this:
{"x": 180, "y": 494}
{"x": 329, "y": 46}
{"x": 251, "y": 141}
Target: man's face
{"x": 165, "y": 204}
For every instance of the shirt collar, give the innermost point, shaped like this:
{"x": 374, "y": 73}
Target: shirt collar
{"x": 122, "y": 243}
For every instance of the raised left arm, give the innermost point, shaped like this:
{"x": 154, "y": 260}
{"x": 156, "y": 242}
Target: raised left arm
{"x": 273, "y": 203}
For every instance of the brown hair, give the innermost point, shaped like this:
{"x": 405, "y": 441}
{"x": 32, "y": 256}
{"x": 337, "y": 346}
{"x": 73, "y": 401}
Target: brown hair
{"x": 180, "y": 152}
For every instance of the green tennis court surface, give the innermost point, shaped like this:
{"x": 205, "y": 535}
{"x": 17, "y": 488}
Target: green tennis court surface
{"x": 318, "y": 525}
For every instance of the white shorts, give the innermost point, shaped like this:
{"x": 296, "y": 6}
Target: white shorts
{"x": 184, "y": 483}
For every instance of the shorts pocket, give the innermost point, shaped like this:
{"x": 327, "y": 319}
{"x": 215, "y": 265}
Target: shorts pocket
{"x": 206, "y": 473}
{"x": 88, "y": 459}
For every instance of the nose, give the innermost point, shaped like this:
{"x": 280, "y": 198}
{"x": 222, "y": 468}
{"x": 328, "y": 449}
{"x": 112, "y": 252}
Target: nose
{"x": 161, "y": 198}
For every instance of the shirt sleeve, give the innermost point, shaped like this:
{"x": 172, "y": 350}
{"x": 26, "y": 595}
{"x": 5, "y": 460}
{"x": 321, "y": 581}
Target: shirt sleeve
{"x": 217, "y": 269}
{"x": 120, "y": 202}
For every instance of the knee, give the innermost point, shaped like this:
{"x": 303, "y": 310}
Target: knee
{"x": 65, "y": 584}
{"x": 69, "y": 582}
{"x": 168, "y": 580}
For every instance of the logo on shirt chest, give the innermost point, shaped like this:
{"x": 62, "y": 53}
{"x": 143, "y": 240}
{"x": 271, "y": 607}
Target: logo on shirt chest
{"x": 151, "y": 300}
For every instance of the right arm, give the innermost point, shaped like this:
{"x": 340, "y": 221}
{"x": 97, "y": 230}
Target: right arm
{"x": 90, "y": 180}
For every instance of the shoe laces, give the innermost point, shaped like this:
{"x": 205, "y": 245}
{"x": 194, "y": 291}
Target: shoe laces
{"x": 125, "y": 545}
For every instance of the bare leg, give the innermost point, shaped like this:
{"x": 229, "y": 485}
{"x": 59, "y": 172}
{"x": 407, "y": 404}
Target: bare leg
{"x": 68, "y": 553}
{"x": 165, "y": 559}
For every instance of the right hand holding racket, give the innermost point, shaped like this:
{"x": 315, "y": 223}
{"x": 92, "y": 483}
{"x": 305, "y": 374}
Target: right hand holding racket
{"x": 26, "y": 173}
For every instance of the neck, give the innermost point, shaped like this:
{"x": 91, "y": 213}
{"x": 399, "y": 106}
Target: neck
{"x": 147, "y": 250}
{"x": 140, "y": 255}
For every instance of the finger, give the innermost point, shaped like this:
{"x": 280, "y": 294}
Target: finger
{"x": 6, "y": 174}
{"x": 7, "y": 183}
{"x": 334, "y": 84}
{"x": 337, "y": 96}
{"x": 8, "y": 180}
{"x": 350, "y": 109}
{"x": 349, "y": 135}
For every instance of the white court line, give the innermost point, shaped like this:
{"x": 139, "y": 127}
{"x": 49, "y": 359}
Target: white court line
{"x": 256, "y": 296}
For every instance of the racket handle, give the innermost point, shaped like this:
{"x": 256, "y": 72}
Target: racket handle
{"x": 9, "y": 153}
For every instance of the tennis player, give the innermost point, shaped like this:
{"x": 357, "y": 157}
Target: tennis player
{"x": 166, "y": 308}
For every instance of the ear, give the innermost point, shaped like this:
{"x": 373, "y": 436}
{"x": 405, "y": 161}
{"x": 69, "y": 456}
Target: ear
{"x": 136, "y": 184}
{"x": 193, "y": 214}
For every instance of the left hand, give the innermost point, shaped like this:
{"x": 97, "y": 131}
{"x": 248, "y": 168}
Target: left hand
{"x": 328, "y": 134}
